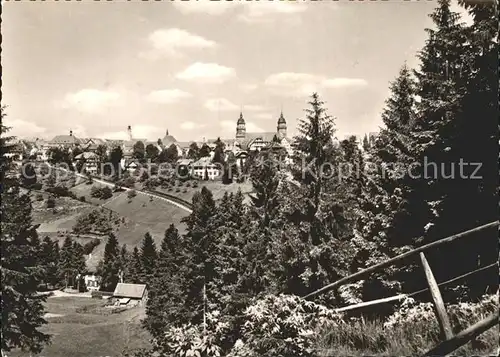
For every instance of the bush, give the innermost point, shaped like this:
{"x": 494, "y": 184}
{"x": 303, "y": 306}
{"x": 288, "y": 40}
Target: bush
{"x": 131, "y": 194}
{"x": 195, "y": 184}
{"x": 177, "y": 189}
{"x": 185, "y": 190}
{"x": 39, "y": 197}
{"x": 188, "y": 184}
{"x": 59, "y": 191}
{"x": 37, "y": 186}
{"x": 82, "y": 199}
{"x": 89, "y": 246}
{"x": 170, "y": 189}
{"x": 102, "y": 193}
{"x": 284, "y": 325}
{"x": 51, "y": 202}
{"x": 106, "y": 193}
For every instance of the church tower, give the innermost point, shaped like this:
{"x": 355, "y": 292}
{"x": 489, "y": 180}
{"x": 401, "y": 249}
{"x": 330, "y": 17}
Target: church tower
{"x": 240, "y": 128}
{"x": 281, "y": 129}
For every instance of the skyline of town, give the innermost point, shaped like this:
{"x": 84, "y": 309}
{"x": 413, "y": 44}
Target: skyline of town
{"x": 171, "y": 67}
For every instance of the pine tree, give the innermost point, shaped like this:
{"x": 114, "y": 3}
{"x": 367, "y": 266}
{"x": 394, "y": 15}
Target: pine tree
{"x": 318, "y": 222}
{"x": 49, "y": 257}
{"x": 134, "y": 267}
{"x": 68, "y": 262}
{"x": 109, "y": 268}
{"x": 148, "y": 258}
{"x": 366, "y": 143}
{"x": 124, "y": 264}
{"x": 471, "y": 199}
{"x": 165, "y": 302}
{"x": 22, "y": 307}
{"x": 442, "y": 77}
{"x": 202, "y": 247}
{"x": 78, "y": 266}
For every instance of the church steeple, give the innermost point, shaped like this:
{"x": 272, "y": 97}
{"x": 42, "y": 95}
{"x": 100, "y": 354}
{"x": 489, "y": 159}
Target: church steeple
{"x": 281, "y": 128}
{"x": 240, "y": 127}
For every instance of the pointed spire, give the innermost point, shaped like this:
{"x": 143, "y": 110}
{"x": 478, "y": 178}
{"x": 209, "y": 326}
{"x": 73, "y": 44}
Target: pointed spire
{"x": 166, "y": 133}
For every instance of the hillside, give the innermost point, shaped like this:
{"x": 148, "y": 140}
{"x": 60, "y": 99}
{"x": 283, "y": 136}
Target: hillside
{"x": 81, "y": 327}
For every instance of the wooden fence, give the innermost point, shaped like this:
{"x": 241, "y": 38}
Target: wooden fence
{"x": 450, "y": 342}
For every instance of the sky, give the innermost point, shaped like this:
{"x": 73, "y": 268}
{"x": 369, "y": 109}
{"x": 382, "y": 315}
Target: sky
{"x": 191, "y": 67}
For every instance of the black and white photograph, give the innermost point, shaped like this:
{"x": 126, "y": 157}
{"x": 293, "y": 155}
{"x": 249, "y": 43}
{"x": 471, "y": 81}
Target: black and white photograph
{"x": 238, "y": 178}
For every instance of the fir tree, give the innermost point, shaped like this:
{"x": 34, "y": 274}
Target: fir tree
{"x": 22, "y": 307}
{"x": 49, "y": 257}
{"x": 109, "y": 267}
{"x": 319, "y": 221}
{"x": 366, "y": 143}
{"x": 124, "y": 264}
{"x": 134, "y": 267}
{"x": 165, "y": 300}
{"x": 148, "y": 258}
{"x": 200, "y": 243}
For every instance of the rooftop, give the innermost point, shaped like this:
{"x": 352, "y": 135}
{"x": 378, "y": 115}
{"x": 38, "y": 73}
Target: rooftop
{"x": 133, "y": 291}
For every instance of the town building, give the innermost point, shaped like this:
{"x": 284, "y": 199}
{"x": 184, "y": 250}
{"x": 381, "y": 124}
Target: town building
{"x": 204, "y": 168}
{"x": 89, "y": 161}
{"x": 65, "y": 141}
{"x": 92, "y": 282}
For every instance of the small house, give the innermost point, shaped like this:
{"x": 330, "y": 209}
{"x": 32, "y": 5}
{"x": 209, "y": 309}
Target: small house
{"x": 130, "y": 294}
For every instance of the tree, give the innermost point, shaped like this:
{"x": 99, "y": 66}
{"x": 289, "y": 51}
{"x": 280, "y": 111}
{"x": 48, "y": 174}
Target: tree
{"x": 172, "y": 154}
{"x": 166, "y": 288}
{"x": 148, "y": 258}
{"x": 321, "y": 217}
{"x": 219, "y": 156}
{"x": 124, "y": 263}
{"x": 366, "y": 143}
{"x": 22, "y": 306}
{"x": 75, "y": 152}
{"x": 49, "y": 258}
{"x": 115, "y": 158}
{"x": 202, "y": 247}
{"x": 59, "y": 155}
{"x": 204, "y": 151}
{"x": 193, "y": 152}
{"x": 134, "y": 267}
{"x": 152, "y": 152}
{"x": 109, "y": 267}
{"x": 459, "y": 102}
{"x": 138, "y": 150}
{"x": 28, "y": 175}
{"x": 230, "y": 169}
{"x": 72, "y": 261}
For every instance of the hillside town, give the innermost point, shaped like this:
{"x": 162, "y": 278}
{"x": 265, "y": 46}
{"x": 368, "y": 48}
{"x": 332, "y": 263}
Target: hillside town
{"x": 135, "y": 150}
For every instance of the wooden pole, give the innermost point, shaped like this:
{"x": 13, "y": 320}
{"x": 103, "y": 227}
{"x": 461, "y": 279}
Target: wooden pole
{"x": 372, "y": 269}
{"x": 463, "y": 337}
{"x": 441, "y": 315}
{"x": 371, "y": 303}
